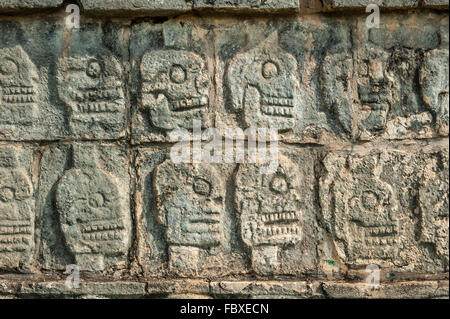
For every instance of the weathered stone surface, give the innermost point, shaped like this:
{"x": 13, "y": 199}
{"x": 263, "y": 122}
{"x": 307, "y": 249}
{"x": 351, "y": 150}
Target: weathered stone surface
{"x": 29, "y": 4}
{"x": 190, "y": 205}
{"x": 19, "y": 92}
{"x": 247, "y": 4}
{"x": 275, "y": 217}
{"x": 248, "y": 289}
{"x": 90, "y": 82}
{"x": 347, "y": 4}
{"x": 369, "y": 204}
{"x": 84, "y": 202}
{"x": 88, "y": 176}
{"x": 405, "y": 290}
{"x": 434, "y": 209}
{"x": 17, "y": 208}
{"x": 178, "y": 287}
{"x": 136, "y": 6}
{"x": 268, "y": 76}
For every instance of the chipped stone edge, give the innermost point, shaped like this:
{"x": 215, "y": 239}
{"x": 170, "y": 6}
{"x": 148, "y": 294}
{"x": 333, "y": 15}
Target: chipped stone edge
{"x": 154, "y": 11}
{"x": 201, "y": 289}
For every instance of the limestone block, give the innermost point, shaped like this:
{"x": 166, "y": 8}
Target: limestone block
{"x": 185, "y": 218}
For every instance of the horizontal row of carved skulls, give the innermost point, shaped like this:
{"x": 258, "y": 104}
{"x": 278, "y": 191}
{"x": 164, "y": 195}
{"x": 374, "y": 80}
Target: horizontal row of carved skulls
{"x": 361, "y": 89}
{"x": 360, "y": 210}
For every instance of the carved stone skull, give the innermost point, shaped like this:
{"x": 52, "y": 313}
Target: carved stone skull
{"x": 92, "y": 88}
{"x": 18, "y": 87}
{"x": 16, "y": 215}
{"x": 269, "y": 205}
{"x": 366, "y": 215}
{"x": 263, "y": 86}
{"x": 375, "y": 87}
{"x": 92, "y": 214}
{"x": 190, "y": 203}
{"x": 175, "y": 88}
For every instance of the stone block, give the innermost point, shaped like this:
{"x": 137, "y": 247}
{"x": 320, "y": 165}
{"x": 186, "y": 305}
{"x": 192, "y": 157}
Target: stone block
{"x": 373, "y": 208}
{"x": 84, "y": 202}
{"x": 172, "y": 78}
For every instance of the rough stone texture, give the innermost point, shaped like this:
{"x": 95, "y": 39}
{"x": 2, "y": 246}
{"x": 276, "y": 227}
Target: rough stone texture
{"x": 29, "y": 4}
{"x": 345, "y": 4}
{"x": 87, "y": 123}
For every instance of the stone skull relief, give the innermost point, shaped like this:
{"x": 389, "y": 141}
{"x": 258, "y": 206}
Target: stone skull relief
{"x": 263, "y": 86}
{"x": 18, "y": 87}
{"x": 16, "y": 212}
{"x": 93, "y": 216}
{"x": 362, "y": 212}
{"x": 269, "y": 207}
{"x": 92, "y": 88}
{"x": 189, "y": 205}
{"x": 175, "y": 88}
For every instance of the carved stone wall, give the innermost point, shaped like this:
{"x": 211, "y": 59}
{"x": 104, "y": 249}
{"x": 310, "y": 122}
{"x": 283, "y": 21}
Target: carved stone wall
{"x": 87, "y": 123}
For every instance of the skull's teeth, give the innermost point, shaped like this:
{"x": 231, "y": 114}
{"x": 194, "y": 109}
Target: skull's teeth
{"x": 101, "y": 227}
{"x": 103, "y": 236}
{"x": 380, "y": 230}
{"x": 189, "y": 103}
{"x": 380, "y": 241}
{"x": 14, "y": 242}
{"x": 15, "y": 229}
{"x": 18, "y": 98}
{"x": 277, "y": 101}
{"x": 282, "y": 230}
{"x": 96, "y": 107}
{"x": 279, "y": 217}
{"x": 18, "y": 90}
{"x": 277, "y": 110}
{"x": 96, "y": 96}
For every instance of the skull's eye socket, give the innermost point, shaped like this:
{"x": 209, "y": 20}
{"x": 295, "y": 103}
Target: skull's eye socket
{"x": 270, "y": 70}
{"x": 6, "y": 194}
{"x": 96, "y": 200}
{"x": 177, "y": 74}
{"x": 202, "y": 186}
{"x": 279, "y": 184}
{"x": 369, "y": 200}
{"x": 8, "y": 67}
{"x": 93, "y": 70}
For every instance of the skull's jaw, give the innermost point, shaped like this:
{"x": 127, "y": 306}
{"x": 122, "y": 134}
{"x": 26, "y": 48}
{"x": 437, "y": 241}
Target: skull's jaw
{"x": 96, "y": 100}
{"x": 202, "y": 232}
{"x": 262, "y": 110}
{"x": 277, "y": 106}
{"x": 15, "y": 235}
{"x": 111, "y": 230}
{"x": 188, "y": 104}
{"x": 18, "y": 105}
{"x": 375, "y": 242}
{"x": 281, "y": 228}
{"x": 169, "y": 114}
